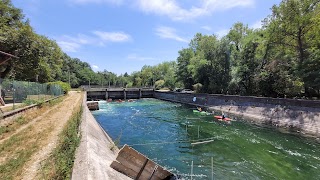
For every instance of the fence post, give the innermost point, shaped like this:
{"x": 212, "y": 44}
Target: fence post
{"x": 14, "y": 94}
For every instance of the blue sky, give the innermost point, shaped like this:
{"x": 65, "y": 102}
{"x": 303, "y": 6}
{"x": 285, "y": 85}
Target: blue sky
{"x": 123, "y": 35}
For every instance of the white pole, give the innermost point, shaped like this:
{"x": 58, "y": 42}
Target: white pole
{"x": 191, "y": 169}
{"x": 212, "y": 168}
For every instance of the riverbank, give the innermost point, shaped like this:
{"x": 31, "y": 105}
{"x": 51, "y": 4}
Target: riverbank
{"x": 96, "y": 151}
{"x": 299, "y": 116}
{"x": 304, "y": 121}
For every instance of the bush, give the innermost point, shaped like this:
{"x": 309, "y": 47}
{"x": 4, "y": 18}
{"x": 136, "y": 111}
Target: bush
{"x": 65, "y": 86}
{"x": 159, "y": 84}
{"x": 197, "y": 87}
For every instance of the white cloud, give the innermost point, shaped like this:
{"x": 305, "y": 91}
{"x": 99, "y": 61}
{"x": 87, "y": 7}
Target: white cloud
{"x": 136, "y": 57}
{"x": 169, "y": 8}
{"x": 112, "y": 36}
{"x": 69, "y": 46}
{"x": 257, "y": 25}
{"x": 97, "y": 38}
{"x": 95, "y": 66}
{"x": 222, "y": 5}
{"x": 173, "y": 10}
{"x": 222, "y": 32}
{"x": 169, "y": 33}
{"x": 116, "y": 2}
{"x": 208, "y": 28}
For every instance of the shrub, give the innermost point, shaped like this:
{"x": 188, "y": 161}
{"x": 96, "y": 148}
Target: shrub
{"x": 159, "y": 84}
{"x": 65, "y": 86}
{"x": 197, "y": 87}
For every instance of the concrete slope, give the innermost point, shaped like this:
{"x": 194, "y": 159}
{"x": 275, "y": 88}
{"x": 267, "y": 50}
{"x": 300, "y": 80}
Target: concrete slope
{"x": 94, "y": 155}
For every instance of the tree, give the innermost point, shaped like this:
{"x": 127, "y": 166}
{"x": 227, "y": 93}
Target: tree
{"x": 184, "y": 73}
{"x": 291, "y": 26}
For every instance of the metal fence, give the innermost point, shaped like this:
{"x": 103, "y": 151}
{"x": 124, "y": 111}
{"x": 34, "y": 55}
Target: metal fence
{"x": 20, "y": 91}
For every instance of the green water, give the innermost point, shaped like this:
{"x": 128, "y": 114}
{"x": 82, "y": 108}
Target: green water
{"x": 163, "y": 131}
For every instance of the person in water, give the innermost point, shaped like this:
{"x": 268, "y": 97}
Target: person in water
{"x": 223, "y": 115}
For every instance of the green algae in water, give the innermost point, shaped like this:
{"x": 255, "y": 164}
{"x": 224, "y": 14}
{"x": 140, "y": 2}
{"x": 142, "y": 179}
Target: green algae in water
{"x": 163, "y": 131}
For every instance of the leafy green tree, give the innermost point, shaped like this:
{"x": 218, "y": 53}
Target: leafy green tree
{"x": 292, "y": 27}
{"x": 184, "y": 73}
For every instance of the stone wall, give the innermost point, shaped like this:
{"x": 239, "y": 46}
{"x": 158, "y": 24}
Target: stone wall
{"x": 302, "y": 116}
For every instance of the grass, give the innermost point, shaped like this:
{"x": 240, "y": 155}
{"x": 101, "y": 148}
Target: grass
{"x": 5, "y": 129}
{"x": 21, "y": 120}
{"x": 116, "y": 142}
{"x": 59, "y": 164}
{"x": 10, "y": 167}
{"x": 12, "y": 126}
{"x": 17, "y": 151}
{"x": 28, "y": 102}
{"x": 55, "y": 101}
{"x": 41, "y": 102}
{"x": 11, "y": 108}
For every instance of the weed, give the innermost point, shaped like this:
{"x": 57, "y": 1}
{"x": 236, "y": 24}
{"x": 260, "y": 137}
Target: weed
{"x": 21, "y": 120}
{"x": 9, "y": 169}
{"x": 55, "y": 101}
{"x": 116, "y": 142}
{"x": 30, "y": 102}
{"x": 5, "y": 129}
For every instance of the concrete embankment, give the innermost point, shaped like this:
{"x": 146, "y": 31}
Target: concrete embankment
{"x": 96, "y": 151}
{"x": 301, "y": 116}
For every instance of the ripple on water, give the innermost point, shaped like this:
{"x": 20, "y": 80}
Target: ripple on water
{"x": 240, "y": 150}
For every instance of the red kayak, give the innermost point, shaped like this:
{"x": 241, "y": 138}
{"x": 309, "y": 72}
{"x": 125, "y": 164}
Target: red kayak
{"x": 220, "y": 118}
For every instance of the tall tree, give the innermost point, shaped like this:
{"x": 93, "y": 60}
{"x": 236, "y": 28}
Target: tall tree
{"x": 184, "y": 73}
{"x": 291, "y": 26}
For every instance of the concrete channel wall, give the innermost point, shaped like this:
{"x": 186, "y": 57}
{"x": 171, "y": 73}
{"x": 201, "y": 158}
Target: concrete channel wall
{"x": 95, "y": 152}
{"x": 302, "y": 116}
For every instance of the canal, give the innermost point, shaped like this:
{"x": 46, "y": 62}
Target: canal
{"x": 165, "y": 131}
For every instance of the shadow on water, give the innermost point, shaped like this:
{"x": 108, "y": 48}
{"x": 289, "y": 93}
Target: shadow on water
{"x": 164, "y": 132}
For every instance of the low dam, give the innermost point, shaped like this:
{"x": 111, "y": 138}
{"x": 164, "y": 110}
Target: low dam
{"x": 119, "y": 93}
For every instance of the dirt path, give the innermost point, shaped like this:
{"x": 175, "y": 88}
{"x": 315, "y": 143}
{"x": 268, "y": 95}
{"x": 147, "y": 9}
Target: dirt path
{"x": 31, "y": 122}
{"x": 40, "y": 135}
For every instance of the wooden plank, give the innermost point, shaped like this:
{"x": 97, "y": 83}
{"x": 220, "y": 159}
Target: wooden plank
{"x": 124, "y": 170}
{"x": 141, "y": 169}
{"x": 93, "y": 105}
{"x": 133, "y": 160}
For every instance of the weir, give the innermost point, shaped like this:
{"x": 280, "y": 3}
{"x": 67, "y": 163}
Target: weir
{"x": 119, "y": 93}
